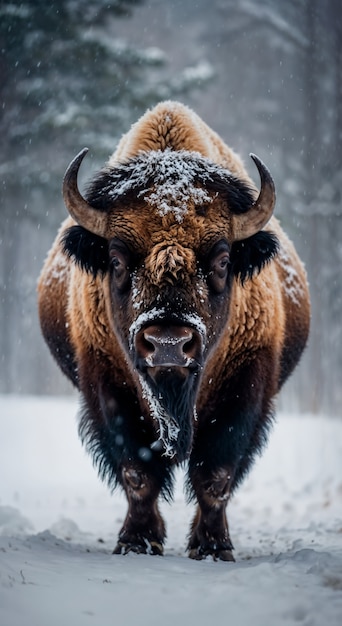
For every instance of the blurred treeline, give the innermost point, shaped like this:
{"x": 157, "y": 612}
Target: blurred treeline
{"x": 265, "y": 74}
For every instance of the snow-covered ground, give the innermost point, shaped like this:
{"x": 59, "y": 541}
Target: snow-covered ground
{"x": 58, "y": 526}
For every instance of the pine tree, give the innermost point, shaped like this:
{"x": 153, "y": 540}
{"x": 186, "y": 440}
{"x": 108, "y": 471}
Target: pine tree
{"x": 68, "y": 83}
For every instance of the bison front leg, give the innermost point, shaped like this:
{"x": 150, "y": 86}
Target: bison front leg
{"x": 209, "y": 531}
{"x": 143, "y": 531}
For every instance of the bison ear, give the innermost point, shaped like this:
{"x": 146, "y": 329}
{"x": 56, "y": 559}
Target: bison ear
{"x": 89, "y": 251}
{"x": 249, "y": 256}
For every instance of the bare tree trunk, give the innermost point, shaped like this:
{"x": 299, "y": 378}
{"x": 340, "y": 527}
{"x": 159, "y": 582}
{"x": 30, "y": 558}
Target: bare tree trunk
{"x": 323, "y": 219}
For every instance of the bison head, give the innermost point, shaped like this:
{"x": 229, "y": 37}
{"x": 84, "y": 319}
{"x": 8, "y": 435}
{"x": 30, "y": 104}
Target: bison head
{"x": 169, "y": 231}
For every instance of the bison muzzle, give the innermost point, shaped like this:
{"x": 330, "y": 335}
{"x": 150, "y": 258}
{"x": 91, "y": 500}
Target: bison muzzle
{"x": 176, "y": 304}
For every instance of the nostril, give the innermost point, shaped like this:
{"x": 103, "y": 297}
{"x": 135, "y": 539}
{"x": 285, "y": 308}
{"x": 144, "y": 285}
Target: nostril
{"x": 144, "y": 347}
{"x": 148, "y": 345}
{"x": 189, "y": 346}
{"x": 192, "y": 347}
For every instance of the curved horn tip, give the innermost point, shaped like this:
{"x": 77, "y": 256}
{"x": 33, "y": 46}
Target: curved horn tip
{"x": 82, "y": 152}
{"x": 259, "y": 162}
{"x": 79, "y": 157}
{"x": 74, "y": 166}
{"x": 261, "y": 211}
{"x": 80, "y": 210}
{"x": 262, "y": 168}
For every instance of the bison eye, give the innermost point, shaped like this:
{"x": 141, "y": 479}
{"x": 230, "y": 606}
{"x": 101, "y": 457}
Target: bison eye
{"x": 218, "y": 268}
{"x": 119, "y": 261}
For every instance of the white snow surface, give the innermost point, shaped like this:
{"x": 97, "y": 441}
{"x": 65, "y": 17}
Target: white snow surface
{"x": 58, "y": 526}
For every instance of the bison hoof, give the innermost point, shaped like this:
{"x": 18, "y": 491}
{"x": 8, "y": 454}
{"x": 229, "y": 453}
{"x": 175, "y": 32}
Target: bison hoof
{"x": 149, "y": 547}
{"x": 218, "y": 555}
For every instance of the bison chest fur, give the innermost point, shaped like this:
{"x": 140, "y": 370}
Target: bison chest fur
{"x": 175, "y": 319}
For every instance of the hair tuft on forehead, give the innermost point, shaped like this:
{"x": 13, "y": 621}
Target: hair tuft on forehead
{"x": 169, "y": 180}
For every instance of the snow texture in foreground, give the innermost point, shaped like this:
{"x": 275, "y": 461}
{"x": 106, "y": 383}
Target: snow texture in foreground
{"x": 58, "y": 526}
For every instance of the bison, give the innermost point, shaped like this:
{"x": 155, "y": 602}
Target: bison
{"x": 176, "y": 304}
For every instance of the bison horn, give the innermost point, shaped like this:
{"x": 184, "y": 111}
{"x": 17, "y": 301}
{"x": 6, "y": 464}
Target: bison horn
{"x": 83, "y": 213}
{"x": 249, "y": 223}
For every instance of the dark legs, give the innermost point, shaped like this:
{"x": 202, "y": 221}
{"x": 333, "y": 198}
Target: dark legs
{"x": 209, "y": 533}
{"x": 120, "y": 441}
{"x": 143, "y": 530}
{"x": 224, "y": 450}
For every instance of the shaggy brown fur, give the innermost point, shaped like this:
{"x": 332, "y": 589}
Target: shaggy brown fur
{"x": 169, "y": 265}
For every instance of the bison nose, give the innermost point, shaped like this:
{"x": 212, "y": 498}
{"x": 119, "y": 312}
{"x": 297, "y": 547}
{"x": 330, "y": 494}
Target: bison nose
{"x": 168, "y": 346}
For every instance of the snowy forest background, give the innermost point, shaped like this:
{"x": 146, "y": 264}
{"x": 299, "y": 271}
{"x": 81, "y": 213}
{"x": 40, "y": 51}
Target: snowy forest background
{"x": 265, "y": 74}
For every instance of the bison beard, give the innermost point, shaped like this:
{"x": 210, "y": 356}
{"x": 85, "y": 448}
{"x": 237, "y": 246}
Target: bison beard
{"x": 172, "y": 404}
